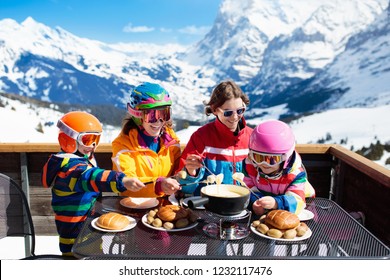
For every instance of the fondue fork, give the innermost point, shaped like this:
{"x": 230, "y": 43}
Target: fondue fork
{"x": 246, "y": 186}
{"x": 240, "y": 178}
{"x": 188, "y": 184}
{"x": 204, "y": 165}
{"x": 252, "y": 191}
{"x": 172, "y": 177}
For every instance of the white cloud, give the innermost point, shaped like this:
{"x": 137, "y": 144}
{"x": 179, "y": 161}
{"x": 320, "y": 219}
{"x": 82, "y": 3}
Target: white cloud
{"x": 191, "y": 29}
{"x": 129, "y": 28}
{"x": 165, "y": 30}
{"x": 195, "y": 30}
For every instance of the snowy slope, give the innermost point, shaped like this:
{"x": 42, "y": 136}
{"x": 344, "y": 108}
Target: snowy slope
{"x": 355, "y": 127}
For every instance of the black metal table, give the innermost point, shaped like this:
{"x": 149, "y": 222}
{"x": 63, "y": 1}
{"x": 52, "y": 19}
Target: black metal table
{"x": 335, "y": 234}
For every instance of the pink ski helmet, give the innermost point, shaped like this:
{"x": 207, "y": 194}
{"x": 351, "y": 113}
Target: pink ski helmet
{"x": 273, "y": 137}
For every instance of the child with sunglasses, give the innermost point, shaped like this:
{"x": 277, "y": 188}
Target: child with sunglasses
{"x": 78, "y": 181}
{"x": 275, "y": 169}
{"x": 221, "y": 146}
{"x": 147, "y": 147}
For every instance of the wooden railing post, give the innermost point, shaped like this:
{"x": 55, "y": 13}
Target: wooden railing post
{"x": 26, "y": 189}
{"x": 335, "y": 192}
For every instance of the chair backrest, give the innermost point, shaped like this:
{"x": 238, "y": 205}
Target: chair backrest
{"x": 16, "y": 219}
{"x": 15, "y": 215}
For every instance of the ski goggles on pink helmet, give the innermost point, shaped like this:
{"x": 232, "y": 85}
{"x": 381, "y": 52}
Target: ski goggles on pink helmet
{"x": 264, "y": 158}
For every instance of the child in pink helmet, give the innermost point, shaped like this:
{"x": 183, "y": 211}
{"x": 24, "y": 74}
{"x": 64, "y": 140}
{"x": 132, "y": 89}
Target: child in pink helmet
{"x": 275, "y": 170}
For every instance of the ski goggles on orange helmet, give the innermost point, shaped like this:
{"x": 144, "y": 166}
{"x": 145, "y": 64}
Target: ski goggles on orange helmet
{"x": 87, "y": 139}
{"x": 264, "y": 158}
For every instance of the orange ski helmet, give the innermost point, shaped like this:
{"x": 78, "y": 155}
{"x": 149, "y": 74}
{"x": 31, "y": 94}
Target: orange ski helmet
{"x": 76, "y": 128}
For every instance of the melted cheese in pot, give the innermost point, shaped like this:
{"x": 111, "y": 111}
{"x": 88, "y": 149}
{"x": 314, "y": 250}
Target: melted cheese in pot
{"x": 223, "y": 193}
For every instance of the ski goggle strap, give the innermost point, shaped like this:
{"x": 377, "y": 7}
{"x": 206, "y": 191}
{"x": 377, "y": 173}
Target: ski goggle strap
{"x": 269, "y": 159}
{"x": 84, "y": 138}
{"x": 135, "y": 113}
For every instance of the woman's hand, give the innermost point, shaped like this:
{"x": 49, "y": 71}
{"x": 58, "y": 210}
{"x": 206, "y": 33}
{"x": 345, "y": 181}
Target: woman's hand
{"x": 170, "y": 186}
{"x": 132, "y": 184}
{"x": 193, "y": 163}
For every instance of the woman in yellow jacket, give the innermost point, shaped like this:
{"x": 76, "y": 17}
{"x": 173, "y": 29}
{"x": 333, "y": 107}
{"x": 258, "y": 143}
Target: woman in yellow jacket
{"x": 147, "y": 146}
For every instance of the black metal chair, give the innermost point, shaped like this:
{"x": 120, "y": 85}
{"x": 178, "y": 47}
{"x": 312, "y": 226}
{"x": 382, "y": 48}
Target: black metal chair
{"x": 16, "y": 219}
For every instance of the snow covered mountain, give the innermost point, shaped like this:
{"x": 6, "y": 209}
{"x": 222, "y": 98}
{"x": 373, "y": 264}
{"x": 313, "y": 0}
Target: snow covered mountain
{"x": 356, "y": 77}
{"x": 297, "y": 60}
{"x": 54, "y": 65}
{"x": 263, "y": 43}
{"x": 272, "y": 48}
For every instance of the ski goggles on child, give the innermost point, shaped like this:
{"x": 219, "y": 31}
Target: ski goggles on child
{"x": 154, "y": 115}
{"x": 229, "y": 113}
{"x": 88, "y": 138}
{"x": 84, "y": 138}
{"x": 269, "y": 159}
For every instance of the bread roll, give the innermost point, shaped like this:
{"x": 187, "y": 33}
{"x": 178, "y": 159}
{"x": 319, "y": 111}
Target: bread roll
{"x": 262, "y": 228}
{"x": 168, "y": 225}
{"x": 256, "y": 223}
{"x": 302, "y": 229}
{"x": 112, "y": 221}
{"x": 181, "y": 223}
{"x": 302, "y": 224}
{"x": 275, "y": 233}
{"x": 171, "y": 213}
{"x": 290, "y": 234}
{"x": 282, "y": 219}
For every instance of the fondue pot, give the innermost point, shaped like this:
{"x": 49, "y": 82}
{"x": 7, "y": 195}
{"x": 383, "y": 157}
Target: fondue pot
{"x": 225, "y": 200}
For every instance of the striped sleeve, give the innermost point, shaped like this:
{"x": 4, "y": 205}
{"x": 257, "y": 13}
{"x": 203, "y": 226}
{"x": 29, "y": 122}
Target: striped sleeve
{"x": 101, "y": 180}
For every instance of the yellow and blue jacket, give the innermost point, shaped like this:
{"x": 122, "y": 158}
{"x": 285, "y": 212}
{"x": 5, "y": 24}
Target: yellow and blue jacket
{"x": 131, "y": 156}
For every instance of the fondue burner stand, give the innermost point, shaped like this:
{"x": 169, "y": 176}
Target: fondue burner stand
{"x": 229, "y": 227}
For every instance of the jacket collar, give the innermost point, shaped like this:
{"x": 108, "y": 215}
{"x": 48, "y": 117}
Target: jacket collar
{"x": 226, "y": 131}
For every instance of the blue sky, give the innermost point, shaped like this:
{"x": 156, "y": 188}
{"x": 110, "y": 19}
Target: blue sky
{"x": 112, "y": 21}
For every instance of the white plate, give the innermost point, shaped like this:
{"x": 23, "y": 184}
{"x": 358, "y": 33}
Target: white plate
{"x": 305, "y": 215}
{"x": 139, "y": 202}
{"x": 172, "y": 199}
{"x": 132, "y": 224}
{"x": 306, "y": 236}
{"x": 144, "y": 219}
{"x": 185, "y": 202}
